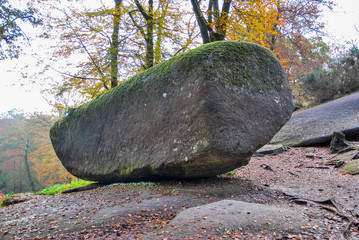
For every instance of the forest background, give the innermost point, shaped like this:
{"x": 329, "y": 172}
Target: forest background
{"x": 81, "y": 50}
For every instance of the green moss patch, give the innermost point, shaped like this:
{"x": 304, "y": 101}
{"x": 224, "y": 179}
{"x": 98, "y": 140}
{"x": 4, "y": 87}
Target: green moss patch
{"x": 351, "y": 167}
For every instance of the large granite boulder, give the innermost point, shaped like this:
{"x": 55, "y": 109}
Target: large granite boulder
{"x": 315, "y": 126}
{"x": 199, "y": 114}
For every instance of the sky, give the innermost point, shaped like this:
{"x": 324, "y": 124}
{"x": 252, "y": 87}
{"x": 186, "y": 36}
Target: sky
{"x": 15, "y": 92}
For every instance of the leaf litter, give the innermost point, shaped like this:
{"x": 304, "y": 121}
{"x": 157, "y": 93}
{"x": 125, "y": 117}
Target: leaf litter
{"x": 288, "y": 180}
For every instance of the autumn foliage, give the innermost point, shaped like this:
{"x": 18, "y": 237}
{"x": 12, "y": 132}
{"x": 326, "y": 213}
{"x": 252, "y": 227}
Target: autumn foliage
{"x": 117, "y": 39}
{"x": 27, "y": 159}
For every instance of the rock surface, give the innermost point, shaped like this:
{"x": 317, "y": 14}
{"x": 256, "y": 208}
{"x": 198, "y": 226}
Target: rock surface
{"x": 17, "y": 198}
{"x": 351, "y": 167}
{"x": 315, "y": 126}
{"x": 199, "y": 114}
{"x": 230, "y": 215}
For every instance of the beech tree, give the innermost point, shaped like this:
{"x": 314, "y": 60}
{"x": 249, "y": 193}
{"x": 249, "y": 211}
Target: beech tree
{"x": 158, "y": 25}
{"x": 114, "y": 46}
{"x": 299, "y": 44}
{"x": 147, "y": 34}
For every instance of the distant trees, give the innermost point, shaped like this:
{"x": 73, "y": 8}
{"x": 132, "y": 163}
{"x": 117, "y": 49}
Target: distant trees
{"x": 16, "y": 144}
{"x": 10, "y": 30}
{"x": 335, "y": 79}
{"x": 27, "y": 160}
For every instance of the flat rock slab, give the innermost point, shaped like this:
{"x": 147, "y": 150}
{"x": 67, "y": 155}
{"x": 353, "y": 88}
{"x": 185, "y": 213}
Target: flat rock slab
{"x": 229, "y": 215}
{"x": 199, "y": 114}
{"x": 315, "y": 126}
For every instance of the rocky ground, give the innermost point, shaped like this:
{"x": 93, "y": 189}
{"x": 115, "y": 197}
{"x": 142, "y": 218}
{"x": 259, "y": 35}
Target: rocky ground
{"x": 299, "y": 182}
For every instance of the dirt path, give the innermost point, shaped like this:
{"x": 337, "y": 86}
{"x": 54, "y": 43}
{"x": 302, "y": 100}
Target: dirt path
{"x": 289, "y": 181}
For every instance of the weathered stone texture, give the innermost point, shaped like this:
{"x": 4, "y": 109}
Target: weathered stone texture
{"x": 315, "y": 126}
{"x": 200, "y": 114}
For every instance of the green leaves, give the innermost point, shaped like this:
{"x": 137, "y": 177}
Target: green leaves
{"x": 10, "y": 30}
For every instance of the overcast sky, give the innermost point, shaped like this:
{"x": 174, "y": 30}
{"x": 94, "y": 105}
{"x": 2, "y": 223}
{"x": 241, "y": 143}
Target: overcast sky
{"x": 340, "y": 26}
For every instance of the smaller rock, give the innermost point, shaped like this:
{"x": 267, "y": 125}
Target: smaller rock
{"x": 345, "y": 156}
{"x": 83, "y": 188}
{"x": 17, "y": 198}
{"x": 271, "y": 149}
{"x": 310, "y": 152}
{"x": 314, "y": 126}
{"x": 338, "y": 143}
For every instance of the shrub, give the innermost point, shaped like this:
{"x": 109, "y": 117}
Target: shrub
{"x": 339, "y": 78}
{"x": 59, "y": 188}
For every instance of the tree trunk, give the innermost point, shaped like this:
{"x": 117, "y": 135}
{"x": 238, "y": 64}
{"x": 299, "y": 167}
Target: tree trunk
{"x": 221, "y": 27}
{"x": 203, "y": 26}
{"x": 14, "y": 178}
{"x": 149, "y": 37}
{"x": 28, "y": 171}
{"x": 114, "y": 45}
{"x": 220, "y": 20}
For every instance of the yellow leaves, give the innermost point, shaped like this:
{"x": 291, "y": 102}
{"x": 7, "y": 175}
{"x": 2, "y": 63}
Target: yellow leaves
{"x": 255, "y": 21}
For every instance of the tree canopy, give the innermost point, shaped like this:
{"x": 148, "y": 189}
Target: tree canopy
{"x": 124, "y": 37}
{"x": 10, "y": 28}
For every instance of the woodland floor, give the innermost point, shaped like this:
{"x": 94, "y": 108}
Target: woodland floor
{"x": 288, "y": 180}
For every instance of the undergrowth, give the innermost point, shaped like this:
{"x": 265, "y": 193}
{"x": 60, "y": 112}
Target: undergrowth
{"x": 4, "y": 197}
{"x": 59, "y": 188}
